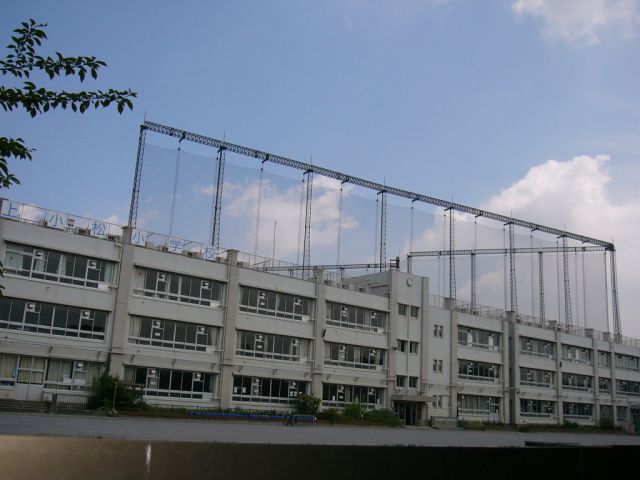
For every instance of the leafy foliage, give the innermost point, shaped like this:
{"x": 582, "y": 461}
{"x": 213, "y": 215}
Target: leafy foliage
{"x": 23, "y": 61}
{"x": 127, "y": 397}
{"x": 307, "y": 404}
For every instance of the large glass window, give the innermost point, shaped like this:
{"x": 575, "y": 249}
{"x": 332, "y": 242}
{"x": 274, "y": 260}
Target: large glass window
{"x": 627, "y": 387}
{"x": 583, "y": 411}
{"x": 339, "y": 396}
{"x": 575, "y": 354}
{"x": 55, "y": 266}
{"x": 275, "y": 304}
{"x": 626, "y": 362}
{"x": 72, "y": 374}
{"x": 178, "y": 288}
{"x": 476, "y": 338}
{"x": 8, "y": 369}
{"x": 158, "y": 332}
{"x": 353, "y": 356}
{"x": 573, "y": 381}
{"x": 535, "y": 347}
{"x": 160, "y": 382}
{"x": 604, "y": 385}
{"x": 537, "y": 408}
{"x": 358, "y": 318}
{"x": 478, "y": 406}
{"x": 537, "y": 378}
{"x": 478, "y": 371}
{"x": 275, "y": 347}
{"x": 267, "y": 390}
{"x": 52, "y": 319}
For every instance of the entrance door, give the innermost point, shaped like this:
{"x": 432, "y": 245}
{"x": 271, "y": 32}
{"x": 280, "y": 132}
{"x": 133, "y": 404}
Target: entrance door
{"x": 408, "y": 412}
{"x": 29, "y": 383}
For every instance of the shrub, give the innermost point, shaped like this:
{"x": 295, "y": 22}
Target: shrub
{"x": 606, "y": 422}
{"x": 330, "y": 414}
{"x": 383, "y": 417}
{"x": 569, "y": 424}
{"x": 354, "y": 410}
{"x": 127, "y": 397}
{"x": 307, "y": 404}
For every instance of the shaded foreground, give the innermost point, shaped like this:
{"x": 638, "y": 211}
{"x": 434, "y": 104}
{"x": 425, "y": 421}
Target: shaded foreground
{"x": 63, "y": 458}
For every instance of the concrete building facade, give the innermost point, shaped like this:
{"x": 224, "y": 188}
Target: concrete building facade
{"x": 217, "y": 332}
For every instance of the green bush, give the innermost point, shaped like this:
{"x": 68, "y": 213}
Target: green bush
{"x": 471, "y": 425}
{"x": 330, "y": 414}
{"x": 354, "y": 410}
{"x": 307, "y": 404}
{"x": 606, "y": 423}
{"x": 383, "y": 417}
{"x": 569, "y": 424}
{"x": 126, "y": 397}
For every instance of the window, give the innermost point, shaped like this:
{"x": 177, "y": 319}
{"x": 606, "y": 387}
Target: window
{"x": 267, "y": 390}
{"x": 438, "y": 331}
{"x": 413, "y": 347}
{"x": 622, "y": 413}
{"x": 402, "y": 309}
{"x": 275, "y": 347}
{"x": 401, "y": 381}
{"x": 437, "y": 366}
{"x": 604, "y": 385}
{"x": 604, "y": 359}
{"x": 606, "y": 412}
{"x": 537, "y": 378}
{"x": 177, "y": 335}
{"x": 573, "y": 381}
{"x": 72, "y": 374}
{"x": 478, "y": 371}
{"x": 478, "y": 405}
{"x": 359, "y": 318}
{"x": 8, "y": 369}
{"x": 178, "y": 288}
{"x": 413, "y": 382}
{"x": 51, "y": 319}
{"x": 572, "y": 353}
{"x": 353, "y": 356}
{"x": 626, "y": 362}
{"x": 413, "y": 313}
{"x": 476, "y": 338}
{"x": 577, "y": 410}
{"x": 627, "y": 387}
{"x": 275, "y": 304}
{"x": 535, "y": 347}
{"x": 402, "y": 345}
{"x": 160, "y": 382}
{"x": 437, "y": 401}
{"x": 537, "y": 408}
{"x": 55, "y": 266}
{"x": 335, "y": 395}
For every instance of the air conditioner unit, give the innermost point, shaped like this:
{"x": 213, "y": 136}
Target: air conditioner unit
{"x": 79, "y": 367}
{"x": 205, "y": 284}
{"x": 85, "y": 314}
{"x": 93, "y": 264}
{"x": 30, "y": 307}
{"x": 163, "y": 248}
{"x": 156, "y": 323}
{"x": 243, "y": 264}
{"x": 81, "y": 231}
{"x": 38, "y": 254}
{"x": 162, "y": 277}
{"x": 192, "y": 254}
{"x": 198, "y": 376}
{"x": 71, "y": 222}
{"x": 201, "y": 330}
{"x": 113, "y": 238}
{"x": 296, "y": 341}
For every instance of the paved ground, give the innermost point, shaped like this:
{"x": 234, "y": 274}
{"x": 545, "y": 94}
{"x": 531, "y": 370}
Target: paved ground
{"x": 244, "y": 432}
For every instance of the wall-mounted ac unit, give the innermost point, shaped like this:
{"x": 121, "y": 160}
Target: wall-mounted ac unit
{"x": 85, "y": 314}
{"x": 93, "y": 264}
{"x": 205, "y": 284}
{"x": 162, "y": 277}
{"x": 113, "y": 238}
{"x": 30, "y": 307}
{"x": 163, "y": 248}
{"x": 243, "y": 264}
{"x": 38, "y": 254}
{"x": 81, "y": 231}
{"x": 192, "y": 254}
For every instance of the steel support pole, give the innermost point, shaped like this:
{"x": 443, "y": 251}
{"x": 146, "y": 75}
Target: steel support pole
{"x": 568, "y": 319}
{"x": 615, "y": 305}
{"x": 512, "y": 270}
{"x": 383, "y": 229}
{"x": 473, "y": 282}
{"x": 135, "y": 193}
{"x": 541, "y": 285}
{"x": 452, "y": 261}
{"x": 217, "y": 205}
{"x": 306, "y": 252}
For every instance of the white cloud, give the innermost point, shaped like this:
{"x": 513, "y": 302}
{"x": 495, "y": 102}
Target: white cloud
{"x": 580, "y": 20}
{"x": 575, "y": 194}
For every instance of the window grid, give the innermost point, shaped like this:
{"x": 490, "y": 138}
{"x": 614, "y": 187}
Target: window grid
{"x": 580, "y": 411}
{"x": 537, "y": 408}
{"x": 627, "y": 387}
{"x": 575, "y": 354}
{"x": 267, "y": 390}
{"x": 478, "y": 371}
{"x": 274, "y": 347}
{"x": 358, "y": 318}
{"x": 59, "y": 267}
{"x": 353, "y": 356}
{"x": 476, "y": 338}
{"x": 161, "y": 382}
{"x": 537, "y": 378}
{"x": 339, "y": 396}
{"x": 573, "y": 381}
{"x": 534, "y": 347}
{"x": 174, "y": 287}
{"x": 275, "y": 304}
{"x": 626, "y": 362}
{"x": 52, "y": 319}
{"x": 172, "y": 334}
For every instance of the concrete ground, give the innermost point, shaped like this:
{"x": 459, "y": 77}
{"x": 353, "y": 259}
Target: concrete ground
{"x": 181, "y": 430}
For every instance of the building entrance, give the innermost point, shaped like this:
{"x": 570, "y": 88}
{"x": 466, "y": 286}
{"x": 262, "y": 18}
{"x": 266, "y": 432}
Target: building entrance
{"x": 29, "y": 383}
{"x": 409, "y": 413}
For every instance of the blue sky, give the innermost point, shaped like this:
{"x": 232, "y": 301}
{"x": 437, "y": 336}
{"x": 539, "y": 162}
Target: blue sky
{"x": 454, "y": 98}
